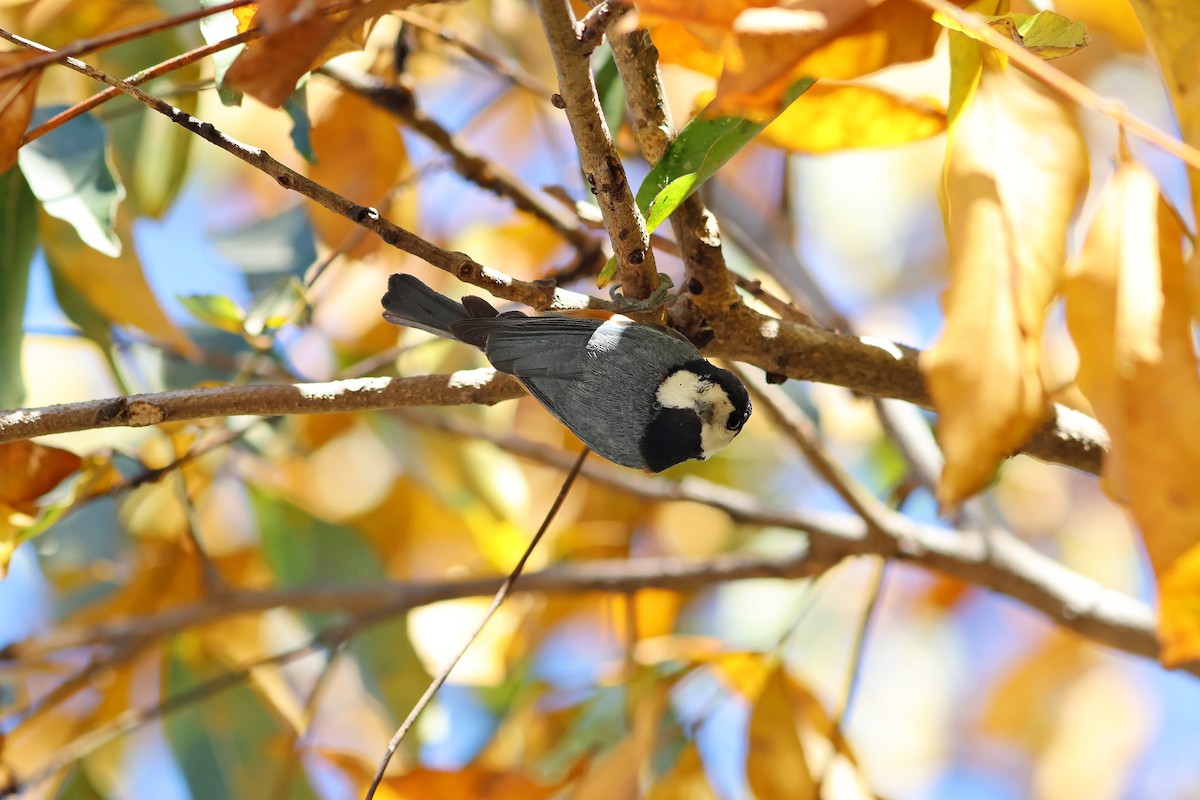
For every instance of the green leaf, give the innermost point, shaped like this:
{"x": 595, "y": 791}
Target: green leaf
{"x": 227, "y": 745}
{"x": 303, "y": 550}
{"x": 1046, "y": 34}
{"x": 79, "y": 309}
{"x": 215, "y": 28}
{"x": 78, "y": 786}
{"x": 610, "y": 89}
{"x": 275, "y": 306}
{"x": 266, "y": 249}
{"x": 297, "y": 109}
{"x": 151, "y": 152}
{"x": 68, "y": 169}
{"x": 216, "y": 310}
{"x": 669, "y": 199}
{"x": 702, "y": 147}
{"x": 18, "y": 243}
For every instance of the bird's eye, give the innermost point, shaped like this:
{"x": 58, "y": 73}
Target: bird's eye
{"x": 736, "y": 421}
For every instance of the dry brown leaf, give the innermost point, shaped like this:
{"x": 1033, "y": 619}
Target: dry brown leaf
{"x": 831, "y": 117}
{"x": 1014, "y": 173}
{"x": 295, "y": 34}
{"x": 360, "y": 155}
{"x": 27, "y": 471}
{"x": 1129, "y": 315}
{"x": 777, "y": 766}
{"x": 297, "y": 37}
{"x": 17, "y": 96}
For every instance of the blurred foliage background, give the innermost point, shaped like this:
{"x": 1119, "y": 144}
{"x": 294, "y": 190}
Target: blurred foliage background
{"x": 168, "y": 629}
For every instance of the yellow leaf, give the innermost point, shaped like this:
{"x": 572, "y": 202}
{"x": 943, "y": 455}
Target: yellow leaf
{"x": 611, "y": 776}
{"x": 469, "y": 783}
{"x": 115, "y": 287}
{"x": 1179, "y": 609}
{"x": 1113, "y": 18}
{"x": 841, "y": 116}
{"x": 360, "y": 155}
{"x": 761, "y": 49}
{"x": 893, "y": 32}
{"x": 966, "y": 60}
{"x": 1022, "y": 708}
{"x": 1014, "y": 172}
{"x": 1171, "y": 28}
{"x": 686, "y": 780}
{"x": 17, "y": 96}
{"x": 777, "y": 766}
{"x": 1129, "y": 314}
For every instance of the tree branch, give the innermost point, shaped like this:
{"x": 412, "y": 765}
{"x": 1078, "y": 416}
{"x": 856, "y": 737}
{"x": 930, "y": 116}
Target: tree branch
{"x": 597, "y": 155}
{"x": 867, "y": 365}
{"x": 538, "y": 294}
{"x": 359, "y": 394}
{"x": 398, "y": 100}
{"x": 990, "y": 560}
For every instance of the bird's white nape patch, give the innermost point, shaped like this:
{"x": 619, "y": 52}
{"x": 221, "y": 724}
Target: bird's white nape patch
{"x": 607, "y": 337}
{"x": 685, "y": 389}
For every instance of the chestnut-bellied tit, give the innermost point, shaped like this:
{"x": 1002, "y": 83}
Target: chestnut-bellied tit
{"x": 638, "y": 395}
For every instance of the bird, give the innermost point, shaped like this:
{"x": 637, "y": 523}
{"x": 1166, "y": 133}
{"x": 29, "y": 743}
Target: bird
{"x": 639, "y": 395}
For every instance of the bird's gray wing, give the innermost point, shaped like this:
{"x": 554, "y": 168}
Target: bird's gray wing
{"x": 533, "y": 347}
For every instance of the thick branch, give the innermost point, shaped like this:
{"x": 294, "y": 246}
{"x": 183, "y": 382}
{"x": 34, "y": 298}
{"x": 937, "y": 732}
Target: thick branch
{"x": 879, "y": 368}
{"x": 360, "y": 394}
{"x": 1001, "y": 563}
{"x": 706, "y": 313}
{"x": 597, "y": 155}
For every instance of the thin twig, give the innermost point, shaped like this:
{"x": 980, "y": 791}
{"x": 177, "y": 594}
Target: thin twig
{"x": 837, "y": 739}
{"x": 287, "y": 769}
{"x": 400, "y": 101}
{"x": 138, "y": 78}
{"x": 787, "y": 418}
{"x": 133, "y": 718}
{"x": 1064, "y": 84}
{"x": 510, "y": 72}
{"x": 501, "y": 595}
{"x": 538, "y": 294}
{"x": 83, "y": 46}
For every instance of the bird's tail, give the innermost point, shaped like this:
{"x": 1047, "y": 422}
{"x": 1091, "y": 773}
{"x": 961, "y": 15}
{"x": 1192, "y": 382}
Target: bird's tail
{"x": 410, "y": 302}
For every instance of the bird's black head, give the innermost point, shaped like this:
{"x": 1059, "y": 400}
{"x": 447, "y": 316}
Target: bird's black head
{"x": 699, "y": 409}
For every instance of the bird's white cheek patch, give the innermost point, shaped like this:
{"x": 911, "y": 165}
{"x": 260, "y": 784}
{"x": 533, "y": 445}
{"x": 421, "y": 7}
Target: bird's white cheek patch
{"x": 714, "y": 434}
{"x": 684, "y": 389}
